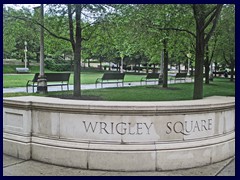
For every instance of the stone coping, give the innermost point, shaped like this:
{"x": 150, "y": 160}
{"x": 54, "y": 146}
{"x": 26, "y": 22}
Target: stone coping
{"x": 216, "y": 103}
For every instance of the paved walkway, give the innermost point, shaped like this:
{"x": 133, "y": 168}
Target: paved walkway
{"x": 86, "y": 86}
{"x": 18, "y": 167}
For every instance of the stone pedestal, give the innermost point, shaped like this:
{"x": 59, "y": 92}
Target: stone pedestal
{"x": 42, "y": 85}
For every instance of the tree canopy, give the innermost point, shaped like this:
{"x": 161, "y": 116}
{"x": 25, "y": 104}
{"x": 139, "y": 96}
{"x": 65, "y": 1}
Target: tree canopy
{"x": 130, "y": 32}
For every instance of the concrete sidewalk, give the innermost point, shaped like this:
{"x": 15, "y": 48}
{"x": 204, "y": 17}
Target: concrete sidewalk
{"x": 18, "y": 167}
{"x": 88, "y": 86}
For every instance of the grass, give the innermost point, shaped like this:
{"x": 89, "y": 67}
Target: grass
{"x": 87, "y": 77}
{"x": 11, "y": 69}
{"x": 183, "y": 91}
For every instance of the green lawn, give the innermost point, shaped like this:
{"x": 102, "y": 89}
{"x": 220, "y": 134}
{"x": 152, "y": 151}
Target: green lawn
{"x": 9, "y": 69}
{"x": 87, "y": 77}
{"x": 184, "y": 91}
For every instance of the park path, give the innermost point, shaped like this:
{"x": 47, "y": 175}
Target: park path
{"x": 87, "y": 86}
{"x": 18, "y": 167}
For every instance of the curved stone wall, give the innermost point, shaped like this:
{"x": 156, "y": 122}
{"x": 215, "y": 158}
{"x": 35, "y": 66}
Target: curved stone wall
{"x": 120, "y": 136}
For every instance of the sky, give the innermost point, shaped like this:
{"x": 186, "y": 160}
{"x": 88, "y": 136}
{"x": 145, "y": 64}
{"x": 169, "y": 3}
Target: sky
{"x": 18, "y": 6}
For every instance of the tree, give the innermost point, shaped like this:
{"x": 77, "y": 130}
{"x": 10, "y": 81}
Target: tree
{"x": 16, "y": 31}
{"x": 80, "y": 17}
{"x": 226, "y": 43}
{"x": 205, "y": 16}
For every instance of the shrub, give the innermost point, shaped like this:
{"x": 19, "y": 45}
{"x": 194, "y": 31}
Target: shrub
{"x": 58, "y": 65}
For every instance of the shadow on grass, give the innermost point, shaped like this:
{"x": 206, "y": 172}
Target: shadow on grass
{"x": 70, "y": 96}
{"x": 162, "y": 88}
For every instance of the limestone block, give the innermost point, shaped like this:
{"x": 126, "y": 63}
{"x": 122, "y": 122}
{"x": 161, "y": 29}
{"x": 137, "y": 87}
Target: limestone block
{"x": 17, "y": 149}
{"x": 229, "y": 119}
{"x": 219, "y": 123}
{"x": 17, "y": 121}
{"x": 183, "y": 158}
{"x": 90, "y": 127}
{"x": 167, "y": 126}
{"x": 223, "y": 151}
{"x": 122, "y": 160}
{"x": 198, "y": 126}
{"x": 45, "y": 123}
{"x": 60, "y": 155}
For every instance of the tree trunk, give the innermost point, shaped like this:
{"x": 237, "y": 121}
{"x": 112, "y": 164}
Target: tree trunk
{"x": 207, "y": 69}
{"x": 232, "y": 69}
{"x": 199, "y": 56}
{"x": 165, "y": 65}
{"x": 100, "y": 66}
{"x": 207, "y": 64}
{"x": 77, "y": 54}
{"x": 215, "y": 69}
{"x": 179, "y": 67}
{"x": 89, "y": 63}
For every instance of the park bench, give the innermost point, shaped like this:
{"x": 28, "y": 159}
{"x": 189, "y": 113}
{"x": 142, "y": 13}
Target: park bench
{"x": 22, "y": 70}
{"x": 110, "y": 78}
{"x": 154, "y": 77}
{"x": 55, "y": 79}
{"x": 179, "y": 76}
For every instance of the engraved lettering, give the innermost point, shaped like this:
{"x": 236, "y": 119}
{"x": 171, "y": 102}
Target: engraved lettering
{"x": 148, "y": 127}
{"x": 196, "y": 126}
{"x": 117, "y": 129}
{"x": 112, "y": 127}
{"x": 209, "y": 124}
{"x": 203, "y": 122}
{"x": 181, "y": 129}
{"x": 138, "y": 124}
{"x": 121, "y": 128}
{"x": 131, "y": 133}
{"x": 186, "y": 125}
{"x": 189, "y": 127}
{"x": 169, "y": 127}
{"x": 103, "y": 127}
{"x": 90, "y": 125}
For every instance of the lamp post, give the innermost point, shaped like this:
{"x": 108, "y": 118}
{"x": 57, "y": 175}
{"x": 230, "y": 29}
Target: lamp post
{"x": 121, "y": 67}
{"x": 25, "y": 51}
{"x": 42, "y": 81}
